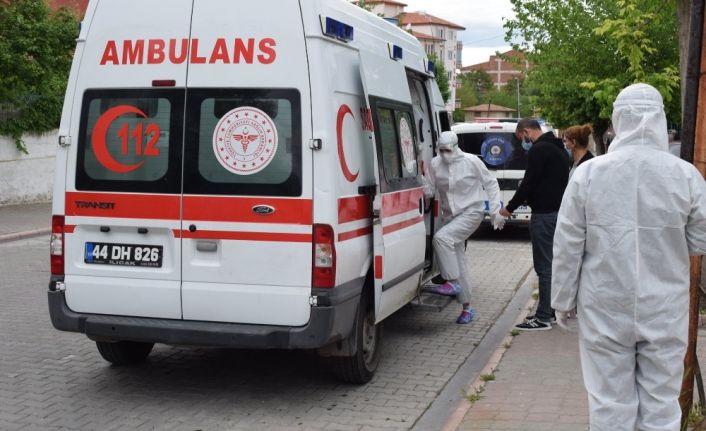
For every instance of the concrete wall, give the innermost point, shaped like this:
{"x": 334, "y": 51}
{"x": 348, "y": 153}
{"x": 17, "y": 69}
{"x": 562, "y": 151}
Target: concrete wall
{"x": 27, "y": 177}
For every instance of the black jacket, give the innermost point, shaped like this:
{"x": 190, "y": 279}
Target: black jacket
{"x": 545, "y": 178}
{"x": 587, "y": 156}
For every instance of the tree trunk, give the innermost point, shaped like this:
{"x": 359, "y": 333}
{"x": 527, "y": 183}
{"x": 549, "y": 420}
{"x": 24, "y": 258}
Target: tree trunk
{"x": 683, "y": 18}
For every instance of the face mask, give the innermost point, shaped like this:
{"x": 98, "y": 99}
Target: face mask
{"x": 447, "y": 157}
{"x": 526, "y": 145}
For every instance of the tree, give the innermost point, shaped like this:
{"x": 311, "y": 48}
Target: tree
{"x": 36, "y": 48}
{"x": 583, "y": 51}
{"x": 442, "y": 78}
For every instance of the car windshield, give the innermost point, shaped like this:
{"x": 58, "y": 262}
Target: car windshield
{"x": 497, "y": 150}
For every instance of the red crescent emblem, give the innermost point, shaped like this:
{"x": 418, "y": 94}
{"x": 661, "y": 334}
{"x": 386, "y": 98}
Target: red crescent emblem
{"x": 98, "y": 140}
{"x": 342, "y": 112}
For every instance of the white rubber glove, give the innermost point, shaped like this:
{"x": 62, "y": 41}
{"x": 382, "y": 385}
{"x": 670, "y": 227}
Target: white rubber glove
{"x": 562, "y": 319}
{"x": 497, "y": 220}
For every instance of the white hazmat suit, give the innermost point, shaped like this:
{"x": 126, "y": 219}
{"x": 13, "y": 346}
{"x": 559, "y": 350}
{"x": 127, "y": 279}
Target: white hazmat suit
{"x": 462, "y": 182}
{"x": 627, "y": 224}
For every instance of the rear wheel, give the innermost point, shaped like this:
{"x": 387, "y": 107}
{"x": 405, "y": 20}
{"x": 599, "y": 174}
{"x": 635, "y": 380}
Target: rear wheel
{"x": 124, "y": 352}
{"x": 360, "y": 367}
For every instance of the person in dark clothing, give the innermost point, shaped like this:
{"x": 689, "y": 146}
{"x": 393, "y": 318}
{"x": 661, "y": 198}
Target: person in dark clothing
{"x": 576, "y": 141}
{"x": 542, "y": 188}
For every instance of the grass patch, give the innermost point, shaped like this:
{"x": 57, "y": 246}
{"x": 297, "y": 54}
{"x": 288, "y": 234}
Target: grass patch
{"x": 507, "y": 344}
{"x": 696, "y": 414}
{"x": 515, "y": 332}
{"x": 535, "y": 296}
{"x": 475, "y": 396}
{"x": 487, "y": 377}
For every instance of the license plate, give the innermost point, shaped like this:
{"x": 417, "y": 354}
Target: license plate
{"x": 123, "y": 254}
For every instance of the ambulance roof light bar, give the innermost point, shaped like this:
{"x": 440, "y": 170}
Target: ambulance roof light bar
{"x": 338, "y": 29}
{"x": 431, "y": 67}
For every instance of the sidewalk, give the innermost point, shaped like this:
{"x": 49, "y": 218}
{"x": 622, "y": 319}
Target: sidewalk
{"x": 20, "y": 221}
{"x": 538, "y": 386}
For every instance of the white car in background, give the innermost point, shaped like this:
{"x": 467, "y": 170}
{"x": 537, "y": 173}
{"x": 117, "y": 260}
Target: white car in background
{"x": 504, "y": 155}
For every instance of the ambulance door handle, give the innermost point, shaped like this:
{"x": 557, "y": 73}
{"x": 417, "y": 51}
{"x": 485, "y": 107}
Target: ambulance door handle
{"x": 207, "y": 246}
{"x": 421, "y": 205}
{"x": 105, "y": 229}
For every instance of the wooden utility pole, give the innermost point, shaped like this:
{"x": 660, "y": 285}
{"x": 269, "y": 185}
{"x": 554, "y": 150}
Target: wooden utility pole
{"x": 694, "y": 149}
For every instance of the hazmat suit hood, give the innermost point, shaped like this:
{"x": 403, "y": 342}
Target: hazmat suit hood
{"x": 449, "y": 141}
{"x": 639, "y": 119}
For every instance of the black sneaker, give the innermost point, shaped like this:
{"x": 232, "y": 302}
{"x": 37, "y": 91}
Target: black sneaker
{"x": 534, "y": 325}
{"x": 552, "y": 320}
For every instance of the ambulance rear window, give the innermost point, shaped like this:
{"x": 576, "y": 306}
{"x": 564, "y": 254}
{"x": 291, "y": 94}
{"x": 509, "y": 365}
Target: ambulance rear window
{"x": 243, "y": 142}
{"x": 130, "y": 141}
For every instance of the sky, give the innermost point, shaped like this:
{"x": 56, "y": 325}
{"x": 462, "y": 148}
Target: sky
{"x": 483, "y": 19}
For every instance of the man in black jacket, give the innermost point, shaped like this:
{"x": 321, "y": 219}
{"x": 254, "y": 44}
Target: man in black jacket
{"x": 541, "y": 189}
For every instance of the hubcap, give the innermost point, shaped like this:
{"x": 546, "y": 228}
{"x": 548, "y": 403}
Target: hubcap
{"x": 369, "y": 337}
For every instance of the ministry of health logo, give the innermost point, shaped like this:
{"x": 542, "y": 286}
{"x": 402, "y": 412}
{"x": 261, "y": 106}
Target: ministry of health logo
{"x": 245, "y": 140}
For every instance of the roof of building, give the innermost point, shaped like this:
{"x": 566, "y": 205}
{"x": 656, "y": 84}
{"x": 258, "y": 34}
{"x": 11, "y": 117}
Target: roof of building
{"x": 419, "y": 18}
{"x": 507, "y": 54}
{"x": 423, "y": 36}
{"x": 489, "y": 107}
{"x": 76, "y": 5}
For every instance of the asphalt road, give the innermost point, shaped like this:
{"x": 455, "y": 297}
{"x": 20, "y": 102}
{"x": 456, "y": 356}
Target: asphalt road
{"x": 52, "y": 380}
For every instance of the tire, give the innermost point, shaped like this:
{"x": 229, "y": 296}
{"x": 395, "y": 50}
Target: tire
{"x": 124, "y": 352}
{"x": 360, "y": 367}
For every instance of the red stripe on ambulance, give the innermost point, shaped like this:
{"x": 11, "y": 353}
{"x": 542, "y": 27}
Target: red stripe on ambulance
{"x": 401, "y": 225}
{"x": 161, "y": 207}
{"x": 401, "y": 202}
{"x": 244, "y": 236}
{"x": 240, "y": 209}
{"x": 354, "y": 208}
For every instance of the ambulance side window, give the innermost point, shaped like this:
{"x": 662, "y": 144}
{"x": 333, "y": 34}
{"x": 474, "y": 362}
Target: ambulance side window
{"x": 397, "y": 144}
{"x": 130, "y": 141}
{"x": 388, "y": 141}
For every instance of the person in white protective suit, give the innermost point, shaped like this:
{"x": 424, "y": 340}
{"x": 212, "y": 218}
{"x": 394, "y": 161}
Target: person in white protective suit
{"x": 627, "y": 224}
{"x": 462, "y": 182}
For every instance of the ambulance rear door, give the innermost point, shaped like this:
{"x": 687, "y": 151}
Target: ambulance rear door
{"x": 123, "y": 172}
{"x": 247, "y": 205}
{"x": 398, "y": 209}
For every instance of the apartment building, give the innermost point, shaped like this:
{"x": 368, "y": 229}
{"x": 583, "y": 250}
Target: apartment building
{"x": 502, "y": 67}
{"x": 440, "y": 37}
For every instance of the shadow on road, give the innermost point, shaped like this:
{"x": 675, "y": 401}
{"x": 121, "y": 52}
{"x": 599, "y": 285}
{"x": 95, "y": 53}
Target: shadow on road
{"x": 511, "y": 233}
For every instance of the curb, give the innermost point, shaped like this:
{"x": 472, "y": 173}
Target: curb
{"x": 447, "y": 411}
{"x": 456, "y": 418}
{"x": 24, "y": 234}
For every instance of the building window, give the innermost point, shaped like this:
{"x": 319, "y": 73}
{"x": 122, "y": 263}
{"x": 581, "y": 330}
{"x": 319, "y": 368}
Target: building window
{"x": 451, "y": 55}
{"x": 440, "y": 33}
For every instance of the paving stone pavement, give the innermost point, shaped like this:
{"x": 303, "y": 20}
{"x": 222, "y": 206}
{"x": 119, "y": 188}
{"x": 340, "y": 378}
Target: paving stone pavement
{"x": 51, "y": 380}
{"x": 19, "y": 218}
{"x": 538, "y": 386}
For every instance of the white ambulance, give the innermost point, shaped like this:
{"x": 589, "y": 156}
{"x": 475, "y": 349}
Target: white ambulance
{"x": 242, "y": 174}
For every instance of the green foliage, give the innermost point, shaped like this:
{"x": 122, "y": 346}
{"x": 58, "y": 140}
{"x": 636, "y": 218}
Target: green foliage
{"x": 362, "y": 4}
{"x": 477, "y": 88}
{"x": 487, "y": 377}
{"x": 585, "y": 51}
{"x": 634, "y": 45}
{"x": 442, "y": 78}
{"x": 36, "y": 47}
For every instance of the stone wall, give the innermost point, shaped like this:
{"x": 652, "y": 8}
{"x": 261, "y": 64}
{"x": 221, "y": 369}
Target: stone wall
{"x": 27, "y": 177}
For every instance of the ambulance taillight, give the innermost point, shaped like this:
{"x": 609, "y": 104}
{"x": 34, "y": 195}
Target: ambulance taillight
{"x": 324, "y": 259}
{"x": 56, "y": 245}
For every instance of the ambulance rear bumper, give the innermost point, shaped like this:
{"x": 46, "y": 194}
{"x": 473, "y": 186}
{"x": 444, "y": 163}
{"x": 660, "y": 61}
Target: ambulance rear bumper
{"x": 327, "y": 324}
